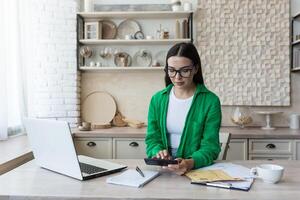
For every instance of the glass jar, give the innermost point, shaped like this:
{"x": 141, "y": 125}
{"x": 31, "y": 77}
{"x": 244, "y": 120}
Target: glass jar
{"x": 241, "y": 116}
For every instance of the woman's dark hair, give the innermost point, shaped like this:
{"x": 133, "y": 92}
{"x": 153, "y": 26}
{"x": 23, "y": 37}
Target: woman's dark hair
{"x": 187, "y": 50}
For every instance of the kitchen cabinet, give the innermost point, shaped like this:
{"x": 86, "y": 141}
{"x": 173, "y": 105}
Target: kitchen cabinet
{"x": 149, "y": 22}
{"x": 297, "y": 149}
{"x": 94, "y": 147}
{"x": 111, "y": 148}
{"x": 246, "y": 144}
{"x": 132, "y": 148}
{"x": 265, "y": 149}
{"x": 238, "y": 149}
{"x": 270, "y": 157}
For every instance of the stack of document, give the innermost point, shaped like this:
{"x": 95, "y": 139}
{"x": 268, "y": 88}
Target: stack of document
{"x": 224, "y": 175}
{"x": 132, "y": 178}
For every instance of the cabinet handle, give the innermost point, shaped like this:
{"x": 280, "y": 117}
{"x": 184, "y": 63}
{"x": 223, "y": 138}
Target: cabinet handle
{"x": 91, "y": 144}
{"x": 270, "y": 159}
{"x": 133, "y": 144}
{"x": 271, "y": 146}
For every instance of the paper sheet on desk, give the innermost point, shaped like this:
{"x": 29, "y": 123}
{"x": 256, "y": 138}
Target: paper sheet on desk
{"x": 205, "y": 176}
{"x": 231, "y": 169}
{"x": 132, "y": 178}
{"x": 236, "y": 171}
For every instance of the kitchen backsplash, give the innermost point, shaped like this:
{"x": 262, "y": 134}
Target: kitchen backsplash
{"x": 133, "y": 90}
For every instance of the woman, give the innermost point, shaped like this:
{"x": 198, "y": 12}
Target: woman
{"x": 184, "y": 118}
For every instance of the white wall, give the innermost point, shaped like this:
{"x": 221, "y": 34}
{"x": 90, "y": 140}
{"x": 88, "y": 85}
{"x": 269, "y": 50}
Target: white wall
{"x": 54, "y": 81}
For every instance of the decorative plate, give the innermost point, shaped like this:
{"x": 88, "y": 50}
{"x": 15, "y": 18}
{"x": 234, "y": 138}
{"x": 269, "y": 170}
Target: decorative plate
{"x": 142, "y": 58}
{"x": 122, "y": 59}
{"x": 160, "y": 57}
{"x": 128, "y": 27}
{"x": 109, "y": 29}
{"x": 139, "y": 35}
{"x": 86, "y": 52}
{"x": 98, "y": 108}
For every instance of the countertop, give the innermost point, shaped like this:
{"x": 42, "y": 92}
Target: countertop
{"x": 236, "y": 133}
{"x": 32, "y": 182}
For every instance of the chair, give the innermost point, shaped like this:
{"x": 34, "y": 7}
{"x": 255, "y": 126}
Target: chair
{"x": 224, "y": 143}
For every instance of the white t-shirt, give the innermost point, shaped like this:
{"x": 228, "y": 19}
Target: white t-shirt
{"x": 176, "y": 115}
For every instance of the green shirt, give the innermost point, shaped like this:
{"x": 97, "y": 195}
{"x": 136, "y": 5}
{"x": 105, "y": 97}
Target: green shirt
{"x": 200, "y": 136}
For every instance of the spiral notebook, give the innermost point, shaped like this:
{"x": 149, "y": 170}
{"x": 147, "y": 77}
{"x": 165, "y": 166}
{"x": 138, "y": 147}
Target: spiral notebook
{"x": 132, "y": 178}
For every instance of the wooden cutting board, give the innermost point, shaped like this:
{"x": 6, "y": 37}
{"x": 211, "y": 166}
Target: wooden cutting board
{"x": 98, "y": 108}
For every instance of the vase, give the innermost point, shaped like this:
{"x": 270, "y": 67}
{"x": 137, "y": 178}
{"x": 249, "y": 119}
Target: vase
{"x": 241, "y": 116}
{"x": 88, "y": 5}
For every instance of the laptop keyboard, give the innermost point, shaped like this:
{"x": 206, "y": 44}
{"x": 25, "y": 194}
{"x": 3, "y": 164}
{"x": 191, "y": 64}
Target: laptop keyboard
{"x": 90, "y": 169}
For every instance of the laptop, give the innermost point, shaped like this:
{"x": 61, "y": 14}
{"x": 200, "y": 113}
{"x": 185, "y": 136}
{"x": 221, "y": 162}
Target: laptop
{"x": 53, "y": 149}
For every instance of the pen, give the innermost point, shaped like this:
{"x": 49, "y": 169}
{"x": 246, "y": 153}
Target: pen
{"x": 223, "y": 185}
{"x": 139, "y": 171}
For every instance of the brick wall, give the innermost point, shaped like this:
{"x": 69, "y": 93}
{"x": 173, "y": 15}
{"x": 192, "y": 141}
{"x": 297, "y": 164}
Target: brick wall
{"x": 54, "y": 80}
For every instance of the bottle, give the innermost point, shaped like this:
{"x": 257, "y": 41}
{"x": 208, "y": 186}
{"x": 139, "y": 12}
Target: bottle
{"x": 177, "y": 29}
{"x": 176, "y": 5}
{"x": 295, "y": 121}
{"x": 184, "y": 29}
{"x": 88, "y": 5}
{"x": 165, "y": 34}
{"x": 187, "y": 6}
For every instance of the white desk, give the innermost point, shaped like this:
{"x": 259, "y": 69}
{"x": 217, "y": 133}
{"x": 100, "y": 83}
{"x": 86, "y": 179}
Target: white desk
{"x": 31, "y": 182}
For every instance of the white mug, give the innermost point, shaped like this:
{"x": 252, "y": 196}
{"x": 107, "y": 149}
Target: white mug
{"x": 187, "y": 6}
{"x": 92, "y": 64}
{"x": 149, "y": 37}
{"x": 88, "y": 5}
{"x": 269, "y": 173}
{"x": 128, "y": 37}
{"x": 176, "y": 8}
{"x": 295, "y": 121}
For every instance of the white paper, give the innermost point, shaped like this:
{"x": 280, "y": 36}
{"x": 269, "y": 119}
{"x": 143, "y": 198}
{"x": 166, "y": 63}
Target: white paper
{"x": 236, "y": 171}
{"x": 132, "y": 178}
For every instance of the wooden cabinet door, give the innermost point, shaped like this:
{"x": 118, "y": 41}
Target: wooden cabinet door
{"x": 238, "y": 149}
{"x": 129, "y": 148}
{"x": 269, "y": 157}
{"x": 267, "y": 146}
{"x": 297, "y": 149}
{"x": 94, "y": 147}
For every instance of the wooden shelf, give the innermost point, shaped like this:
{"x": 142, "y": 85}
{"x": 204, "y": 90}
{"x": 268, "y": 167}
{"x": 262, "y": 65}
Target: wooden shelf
{"x": 153, "y": 44}
{"x": 135, "y": 14}
{"x": 296, "y": 16}
{"x": 140, "y": 42}
{"x": 113, "y": 68}
{"x": 297, "y": 69}
{"x": 296, "y": 42}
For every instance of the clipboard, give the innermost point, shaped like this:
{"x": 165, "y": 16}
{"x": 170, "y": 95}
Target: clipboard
{"x": 233, "y": 170}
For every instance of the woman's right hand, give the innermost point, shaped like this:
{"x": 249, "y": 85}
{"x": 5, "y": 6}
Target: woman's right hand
{"x": 163, "y": 154}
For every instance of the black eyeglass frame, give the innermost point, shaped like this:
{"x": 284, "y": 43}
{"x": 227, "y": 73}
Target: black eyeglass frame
{"x": 179, "y": 71}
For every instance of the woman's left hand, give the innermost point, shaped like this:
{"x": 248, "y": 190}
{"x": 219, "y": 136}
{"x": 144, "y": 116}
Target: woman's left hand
{"x": 183, "y": 166}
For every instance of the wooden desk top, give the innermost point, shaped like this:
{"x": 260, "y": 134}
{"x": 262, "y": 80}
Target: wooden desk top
{"x": 236, "y": 133}
{"x": 31, "y": 182}
{"x": 14, "y": 152}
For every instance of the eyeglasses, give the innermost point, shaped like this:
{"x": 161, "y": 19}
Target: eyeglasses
{"x": 184, "y": 72}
